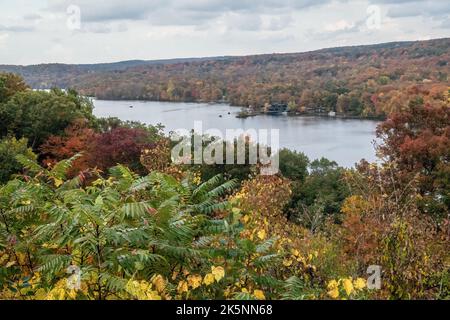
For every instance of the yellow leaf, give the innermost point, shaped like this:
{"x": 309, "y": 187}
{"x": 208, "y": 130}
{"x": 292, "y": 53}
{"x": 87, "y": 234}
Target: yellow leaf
{"x": 333, "y": 284}
{"x": 40, "y": 294}
{"x": 72, "y": 294}
{"x": 287, "y": 263}
{"x": 227, "y": 292}
{"x": 4, "y": 258}
{"x": 182, "y": 287}
{"x": 209, "y": 279}
{"x": 262, "y": 234}
{"x": 153, "y": 295}
{"x": 334, "y": 293}
{"x": 359, "y": 284}
{"x": 259, "y": 295}
{"x": 58, "y": 182}
{"x": 194, "y": 281}
{"x": 159, "y": 283}
{"x": 218, "y": 273}
{"x": 348, "y": 286}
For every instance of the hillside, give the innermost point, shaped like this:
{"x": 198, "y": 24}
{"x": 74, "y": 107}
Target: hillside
{"x": 45, "y": 76}
{"x": 365, "y": 81}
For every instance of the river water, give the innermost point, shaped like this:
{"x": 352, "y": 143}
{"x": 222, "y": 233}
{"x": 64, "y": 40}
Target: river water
{"x": 345, "y": 141}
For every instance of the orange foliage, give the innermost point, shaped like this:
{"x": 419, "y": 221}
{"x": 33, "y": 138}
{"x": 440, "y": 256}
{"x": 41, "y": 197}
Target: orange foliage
{"x": 77, "y": 138}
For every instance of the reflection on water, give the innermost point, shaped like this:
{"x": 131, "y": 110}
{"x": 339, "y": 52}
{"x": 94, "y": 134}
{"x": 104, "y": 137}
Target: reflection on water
{"x": 345, "y": 141}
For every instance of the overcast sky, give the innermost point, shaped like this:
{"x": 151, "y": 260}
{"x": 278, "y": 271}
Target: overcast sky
{"x": 90, "y": 31}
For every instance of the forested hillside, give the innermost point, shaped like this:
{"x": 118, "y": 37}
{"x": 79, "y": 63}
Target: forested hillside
{"x": 58, "y": 75}
{"x": 362, "y": 81}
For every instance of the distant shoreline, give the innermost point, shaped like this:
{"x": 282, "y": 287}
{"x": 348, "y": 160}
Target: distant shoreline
{"x": 289, "y": 114}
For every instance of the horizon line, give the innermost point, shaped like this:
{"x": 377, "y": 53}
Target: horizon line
{"x": 221, "y": 56}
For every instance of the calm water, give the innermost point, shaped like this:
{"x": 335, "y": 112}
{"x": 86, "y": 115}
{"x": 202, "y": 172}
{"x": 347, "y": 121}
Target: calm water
{"x": 345, "y": 141}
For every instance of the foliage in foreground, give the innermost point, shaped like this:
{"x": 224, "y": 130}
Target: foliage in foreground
{"x": 156, "y": 237}
{"x": 149, "y": 237}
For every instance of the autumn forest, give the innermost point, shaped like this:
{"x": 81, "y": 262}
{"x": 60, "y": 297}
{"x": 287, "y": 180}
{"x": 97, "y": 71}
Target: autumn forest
{"x": 365, "y": 81}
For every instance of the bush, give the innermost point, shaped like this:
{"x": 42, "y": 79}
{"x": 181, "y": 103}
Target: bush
{"x": 9, "y": 149}
{"x": 319, "y": 195}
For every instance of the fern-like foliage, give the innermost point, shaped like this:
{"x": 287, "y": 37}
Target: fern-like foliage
{"x": 117, "y": 228}
{"x": 297, "y": 289}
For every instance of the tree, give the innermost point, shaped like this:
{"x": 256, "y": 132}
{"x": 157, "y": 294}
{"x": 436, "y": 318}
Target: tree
{"x": 120, "y": 145}
{"x": 326, "y": 185}
{"x": 292, "y": 106}
{"x": 383, "y": 225}
{"x": 355, "y": 107}
{"x": 417, "y": 141}
{"x": 75, "y": 140}
{"x": 342, "y": 103}
{"x": 36, "y": 115}
{"x": 293, "y": 165}
{"x": 10, "y": 148}
{"x": 10, "y": 84}
{"x": 320, "y": 194}
{"x": 330, "y": 101}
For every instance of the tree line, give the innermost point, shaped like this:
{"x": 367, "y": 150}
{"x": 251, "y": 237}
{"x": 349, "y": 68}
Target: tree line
{"x": 365, "y": 81}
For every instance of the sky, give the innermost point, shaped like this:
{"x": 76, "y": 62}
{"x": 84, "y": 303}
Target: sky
{"x": 93, "y": 31}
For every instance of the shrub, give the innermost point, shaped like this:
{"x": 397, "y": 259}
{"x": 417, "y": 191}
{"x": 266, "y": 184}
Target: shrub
{"x": 9, "y": 149}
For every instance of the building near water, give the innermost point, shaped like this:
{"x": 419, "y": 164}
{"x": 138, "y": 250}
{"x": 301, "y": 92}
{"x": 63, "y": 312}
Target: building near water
{"x": 277, "y": 108}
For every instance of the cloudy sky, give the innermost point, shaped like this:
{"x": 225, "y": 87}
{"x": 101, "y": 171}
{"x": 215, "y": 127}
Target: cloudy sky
{"x": 90, "y": 31}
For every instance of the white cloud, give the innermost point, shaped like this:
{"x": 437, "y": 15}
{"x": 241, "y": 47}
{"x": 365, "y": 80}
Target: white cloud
{"x": 339, "y": 26}
{"x": 177, "y": 12}
{"x": 57, "y": 50}
{"x": 161, "y": 33}
{"x": 113, "y": 30}
{"x": 3, "y": 38}
{"x": 32, "y": 17}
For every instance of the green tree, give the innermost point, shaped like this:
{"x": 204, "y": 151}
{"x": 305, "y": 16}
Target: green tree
{"x": 10, "y": 84}
{"x": 293, "y": 164}
{"x": 36, "y": 115}
{"x": 321, "y": 194}
{"x": 9, "y": 149}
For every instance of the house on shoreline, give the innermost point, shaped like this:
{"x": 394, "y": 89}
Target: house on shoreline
{"x": 277, "y": 108}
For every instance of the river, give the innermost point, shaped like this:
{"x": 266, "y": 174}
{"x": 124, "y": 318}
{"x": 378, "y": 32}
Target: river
{"x": 345, "y": 141}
